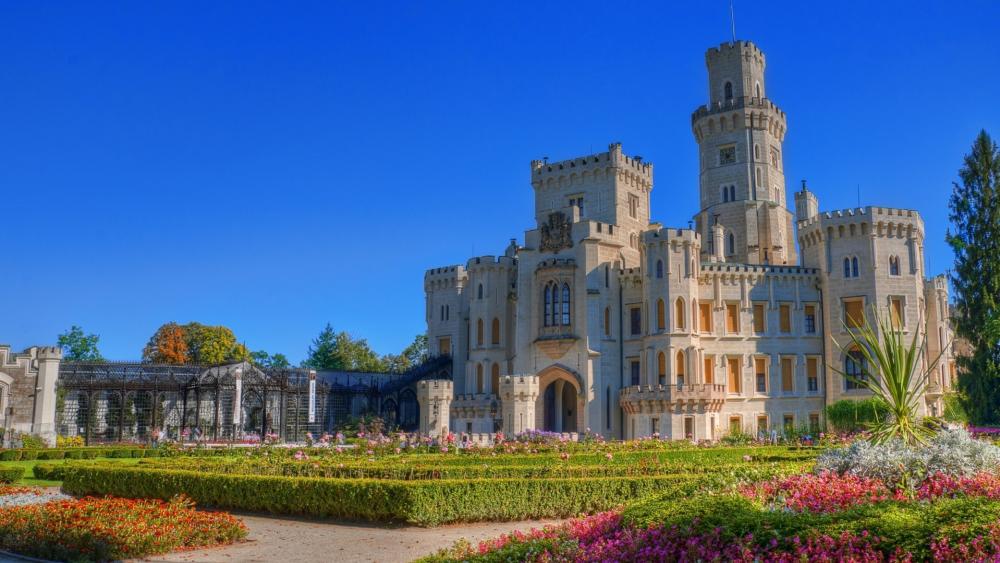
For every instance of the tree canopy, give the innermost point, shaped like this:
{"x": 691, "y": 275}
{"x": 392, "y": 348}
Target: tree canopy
{"x": 975, "y": 218}
{"x": 79, "y": 347}
{"x": 339, "y": 351}
{"x": 194, "y": 343}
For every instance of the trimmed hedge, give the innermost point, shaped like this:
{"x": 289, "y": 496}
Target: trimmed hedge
{"x": 426, "y": 503}
{"x": 11, "y": 474}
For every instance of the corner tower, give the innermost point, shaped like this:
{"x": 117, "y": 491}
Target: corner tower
{"x": 742, "y": 182}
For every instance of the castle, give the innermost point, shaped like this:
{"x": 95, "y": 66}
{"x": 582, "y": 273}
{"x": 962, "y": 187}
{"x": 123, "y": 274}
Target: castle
{"x": 607, "y": 321}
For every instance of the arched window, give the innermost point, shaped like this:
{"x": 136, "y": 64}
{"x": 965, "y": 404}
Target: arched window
{"x": 731, "y": 244}
{"x": 479, "y": 378}
{"x": 661, "y": 368}
{"x": 854, "y": 266}
{"x": 894, "y": 265}
{"x": 679, "y": 313}
{"x": 495, "y": 378}
{"x": 548, "y": 305}
{"x": 756, "y": 151}
{"x": 725, "y": 194}
{"x": 756, "y": 89}
{"x": 479, "y": 332}
{"x": 661, "y": 315}
{"x": 659, "y": 268}
{"x": 847, "y": 267}
{"x": 855, "y": 369}
{"x": 495, "y": 332}
{"x": 732, "y": 193}
{"x": 479, "y": 292}
{"x": 565, "y": 305}
{"x": 607, "y": 321}
{"x": 729, "y": 91}
{"x": 442, "y": 312}
{"x": 680, "y": 367}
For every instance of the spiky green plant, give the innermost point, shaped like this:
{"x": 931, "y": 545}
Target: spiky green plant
{"x": 895, "y": 378}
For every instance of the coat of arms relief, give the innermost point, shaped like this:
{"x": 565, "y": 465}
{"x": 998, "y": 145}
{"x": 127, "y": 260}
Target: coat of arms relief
{"x": 556, "y": 233}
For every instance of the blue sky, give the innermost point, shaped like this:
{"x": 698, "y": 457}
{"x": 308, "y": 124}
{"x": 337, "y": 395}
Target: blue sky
{"x": 276, "y": 166}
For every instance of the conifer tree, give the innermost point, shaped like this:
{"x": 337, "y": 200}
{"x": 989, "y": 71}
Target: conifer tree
{"x": 975, "y": 217}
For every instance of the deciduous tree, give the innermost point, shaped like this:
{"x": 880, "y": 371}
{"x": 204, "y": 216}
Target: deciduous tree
{"x": 79, "y": 347}
{"x": 168, "y": 345}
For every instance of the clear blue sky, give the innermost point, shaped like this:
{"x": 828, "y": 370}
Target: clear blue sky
{"x": 275, "y": 166}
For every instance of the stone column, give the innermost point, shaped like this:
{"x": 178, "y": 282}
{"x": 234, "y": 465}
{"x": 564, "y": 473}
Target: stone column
{"x": 557, "y": 387}
{"x": 43, "y": 423}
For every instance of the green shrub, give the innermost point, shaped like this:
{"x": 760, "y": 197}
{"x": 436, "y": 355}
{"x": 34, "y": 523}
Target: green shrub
{"x": 75, "y": 454}
{"x": 51, "y": 454}
{"x": 10, "y": 455}
{"x": 426, "y": 503}
{"x": 954, "y": 408}
{"x": 30, "y": 442}
{"x": 28, "y": 455}
{"x": 49, "y": 471}
{"x": 11, "y": 474}
{"x": 848, "y": 415}
{"x": 89, "y": 454}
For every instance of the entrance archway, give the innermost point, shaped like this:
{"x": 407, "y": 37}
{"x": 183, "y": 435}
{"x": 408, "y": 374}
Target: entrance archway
{"x": 560, "y": 403}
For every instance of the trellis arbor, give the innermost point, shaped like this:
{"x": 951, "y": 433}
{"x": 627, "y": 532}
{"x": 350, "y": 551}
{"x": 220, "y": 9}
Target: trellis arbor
{"x": 123, "y": 402}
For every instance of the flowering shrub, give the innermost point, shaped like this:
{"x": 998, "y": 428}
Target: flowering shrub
{"x": 952, "y": 452}
{"x": 104, "y": 529}
{"x": 826, "y": 492}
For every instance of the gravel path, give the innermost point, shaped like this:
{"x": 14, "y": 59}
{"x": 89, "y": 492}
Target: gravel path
{"x": 288, "y": 539}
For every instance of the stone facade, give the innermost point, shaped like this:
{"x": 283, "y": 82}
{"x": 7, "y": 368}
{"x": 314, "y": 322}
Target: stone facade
{"x": 28, "y": 390}
{"x": 604, "y": 320}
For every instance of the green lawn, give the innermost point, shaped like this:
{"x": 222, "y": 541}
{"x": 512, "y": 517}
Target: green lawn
{"x": 29, "y": 478}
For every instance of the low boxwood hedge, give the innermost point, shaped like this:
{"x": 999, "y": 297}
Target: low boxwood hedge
{"x": 426, "y": 503}
{"x": 11, "y": 474}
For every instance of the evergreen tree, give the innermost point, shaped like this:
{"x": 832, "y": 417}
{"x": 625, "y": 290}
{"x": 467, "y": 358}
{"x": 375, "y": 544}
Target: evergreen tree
{"x": 339, "y": 351}
{"x": 975, "y": 216}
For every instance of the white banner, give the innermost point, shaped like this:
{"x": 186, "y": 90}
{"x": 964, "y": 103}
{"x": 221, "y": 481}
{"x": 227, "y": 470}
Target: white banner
{"x": 312, "y": 400}
{"x": 238, "y": 402}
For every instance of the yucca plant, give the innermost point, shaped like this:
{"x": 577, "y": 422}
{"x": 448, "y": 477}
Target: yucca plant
{"x": 895, "y": 378}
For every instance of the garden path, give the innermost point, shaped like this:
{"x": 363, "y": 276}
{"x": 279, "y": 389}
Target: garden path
{"x": 291, "y": 539}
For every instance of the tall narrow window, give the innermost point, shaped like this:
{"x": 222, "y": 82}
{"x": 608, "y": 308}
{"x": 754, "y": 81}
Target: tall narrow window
{"x": 732, "y": 318}
{"x": 847, "y": 267}
{"x": 479, "y": 378}
{"x": 659, "y": 268}
{"x": 854, "y": 266}
{"x": 635, "y": 321}
{"x": 680, "y": 367}
{"x": 706, "y": 318}
{"x": 760, "y": 373}
{"x": 661, "y": 368}
{"x": 787, "y": 375}
{"x": 812, "y": 374}
{"x": 709, "y": 370}
{"x": 634, "y": 371}
{"x": 548, "y": 305}
{"x": 731, "y": 244}
{"x": 495, "y": 332}
{"x": 495, "y": 378}
{"x": 896, "y": 312}
{"x": 679, "y": 313}
{"x": 894, "y": 265}
{"x": 725, "y": 194}
{"x": 565, "y": 305}
{"x": 661, "y": 315}
{"x": 734, "y": 375}
{"x": 855, "y": 369}
{"x": 729, "y": 91}
{"x": 732, "y": 193}
{"x": 479, "y": 292}
{"x": 810, "y": 319}
{"x": 785, "y": 318}
{"x": 479, "y": 332}
{"x": 607, "y": 321}
{"x": 758, "y": 318}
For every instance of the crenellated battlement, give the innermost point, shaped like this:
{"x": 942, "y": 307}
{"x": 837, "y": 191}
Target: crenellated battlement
{"x": 869, "y": 214}
{"x": 614, "y": 158}
{"x": 747, "y": 105}
{"x": 760, "y": 269}
{"x": 671, "y": 234}
{"x": 489, "y": 262}
{"x": 446, "y": 277}
{"x": 939, "y": 283}
{"x": 731, "y": 49}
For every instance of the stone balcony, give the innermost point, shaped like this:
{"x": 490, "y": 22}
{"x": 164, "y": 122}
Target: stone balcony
{"x": 709, "y": 397}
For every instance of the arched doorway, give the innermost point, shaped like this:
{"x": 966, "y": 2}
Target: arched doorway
{"x": 559, "y": 407}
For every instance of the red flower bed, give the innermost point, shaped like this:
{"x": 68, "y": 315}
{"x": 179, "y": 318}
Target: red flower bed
{"x": 106, "y": 529}
{"x": 826, "y": 492}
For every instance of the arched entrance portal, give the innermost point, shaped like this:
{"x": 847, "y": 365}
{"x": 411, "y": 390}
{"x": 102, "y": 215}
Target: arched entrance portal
{"x": 559, "y": 407}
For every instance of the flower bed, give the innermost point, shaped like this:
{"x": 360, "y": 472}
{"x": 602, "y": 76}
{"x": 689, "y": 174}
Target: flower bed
{"x": 110, "y": 529}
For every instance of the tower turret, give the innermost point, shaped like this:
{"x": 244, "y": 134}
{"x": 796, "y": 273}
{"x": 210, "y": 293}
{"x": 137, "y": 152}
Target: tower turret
{"x": 806, "y": 204}
{"x": 740, "y": 133}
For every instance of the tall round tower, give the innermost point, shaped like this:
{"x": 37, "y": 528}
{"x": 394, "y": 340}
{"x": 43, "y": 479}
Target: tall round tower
{"x": 740, "y": 134}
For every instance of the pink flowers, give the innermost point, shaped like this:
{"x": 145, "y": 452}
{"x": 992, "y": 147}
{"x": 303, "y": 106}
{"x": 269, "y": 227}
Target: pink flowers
{"x": 300, "y": 455}
{"x": 941, "y": 485}
{"x": 608, "y": 456}
{"x": 826, "y": 492}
